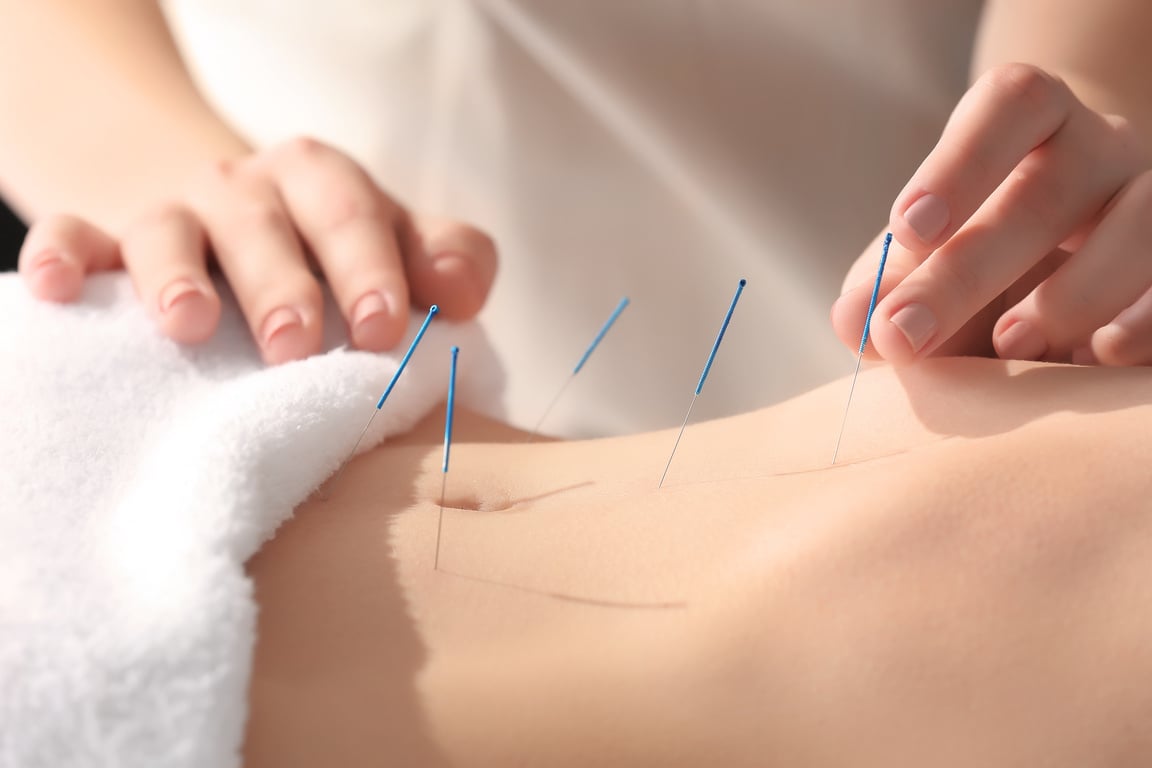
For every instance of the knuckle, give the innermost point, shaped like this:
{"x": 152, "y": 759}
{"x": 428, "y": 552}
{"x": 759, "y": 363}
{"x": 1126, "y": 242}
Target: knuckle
{"x": 223, "y": 168}
{"x": 983, "y": 160}
{"x": 304, "y": 148}
{"x": 218, "y": 173}
{"x": 340, "y": 210}
{"x": 212, "y": 181}
{"x": 258, "y": 215}
{"x": 1029, "y": 85}
{"x": 59, "y": 228}
{"x": 1039, "y": 198}
{"x": 162, "y": 215}
{"x": 959, "y": 277}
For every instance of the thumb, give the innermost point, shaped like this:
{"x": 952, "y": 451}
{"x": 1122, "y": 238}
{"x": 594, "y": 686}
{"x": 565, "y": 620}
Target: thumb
{"x": 850, "y": 311}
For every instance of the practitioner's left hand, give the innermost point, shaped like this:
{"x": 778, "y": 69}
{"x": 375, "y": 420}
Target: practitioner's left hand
{"x": 1026, "y": 233}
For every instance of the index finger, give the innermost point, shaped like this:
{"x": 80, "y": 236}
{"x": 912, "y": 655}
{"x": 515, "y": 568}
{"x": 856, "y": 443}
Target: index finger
{"x": 349, "y": 224}
{"x": 1006, "y": 114}
{"x": 849, "y": 312}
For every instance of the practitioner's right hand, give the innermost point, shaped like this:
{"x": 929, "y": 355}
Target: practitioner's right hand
{"x": 1023, "y": 234}
{"x": 270, "y": 221}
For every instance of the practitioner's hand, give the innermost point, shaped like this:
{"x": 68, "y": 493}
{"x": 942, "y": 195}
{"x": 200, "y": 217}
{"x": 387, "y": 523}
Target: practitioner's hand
{"x": 1027, "y": 233}
{"x": 266, "y": 220}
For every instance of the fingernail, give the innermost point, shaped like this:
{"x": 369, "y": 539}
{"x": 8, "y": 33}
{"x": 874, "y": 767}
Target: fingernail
{"x": 370, "y": 321}
{"x": 1021, "y": 341}
{"x": 178, "y": 291}
{"x": 917, "y": 323}
{"x": 927, "y": 217}
{"x": 1084, "y": 356}
{"x": 278, "y": 334}
{"x": 369, "y": 306}
{"x": 55, "y": 276}
{"x": 48, "y": 258}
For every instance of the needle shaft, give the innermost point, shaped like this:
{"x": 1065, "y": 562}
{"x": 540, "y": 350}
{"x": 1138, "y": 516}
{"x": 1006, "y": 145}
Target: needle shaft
{"x": 704, "y": 376}
{"x": 440, "y": 521}
{"x": 447, "y": 452}
{"x": 676, "y": 445}
{"x": 863, "y": 342}
{"x": 583, "y": 359}
{"x": 391, "y": 384}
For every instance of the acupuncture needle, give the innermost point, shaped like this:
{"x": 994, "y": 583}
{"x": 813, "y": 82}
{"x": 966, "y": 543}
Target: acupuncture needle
{"x": 863, "y": 341}
{"x": 583, "y": 359}
{"x": 447, "y": 451}
{"x": 704, "y": 375}
{"x": 391, "y": 384}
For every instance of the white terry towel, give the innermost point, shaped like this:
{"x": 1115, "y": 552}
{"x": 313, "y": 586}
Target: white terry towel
{"x": 136, "y": 478}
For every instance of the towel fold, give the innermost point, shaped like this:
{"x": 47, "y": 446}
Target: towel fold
{"x": 136, "y": 479}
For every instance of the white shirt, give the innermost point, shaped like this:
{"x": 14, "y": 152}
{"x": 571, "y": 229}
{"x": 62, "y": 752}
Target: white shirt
{"x": 660, "y": 149}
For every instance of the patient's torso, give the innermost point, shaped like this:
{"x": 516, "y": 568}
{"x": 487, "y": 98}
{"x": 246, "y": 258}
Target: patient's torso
{"x": 547, "y": 550}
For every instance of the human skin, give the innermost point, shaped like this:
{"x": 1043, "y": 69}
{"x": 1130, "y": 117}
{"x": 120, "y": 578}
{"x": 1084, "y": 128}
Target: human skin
{"x": 110, "y": 151}
{"x": 1023, "y": 232}
{"x": 1059, "y": 111}
{"x": 967, "y": 586}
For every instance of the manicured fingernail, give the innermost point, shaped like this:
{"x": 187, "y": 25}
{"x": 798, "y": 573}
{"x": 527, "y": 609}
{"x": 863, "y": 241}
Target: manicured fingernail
{"x": 927, "y": 217}
{"x": 368, "y": 307}
{"x": 1084, "y": 356}
{"x": 54, "y": 275}
{"x": 279, "y": 334}
{"x": 371, "y": 319}
{"x": 917, "y": 323}
{"x": 1021, "y": 341}
{"x": 47, "y": 259}
{"x": 181, "y": 291}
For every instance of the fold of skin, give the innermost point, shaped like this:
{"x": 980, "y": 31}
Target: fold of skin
{"x": 968, "y": 586}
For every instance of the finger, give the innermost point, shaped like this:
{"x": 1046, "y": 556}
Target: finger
{"x": 59, "y": 251}
{"x": 259, "y": 252}
{"x": 1126, "y": 340}
{"x": 452, "y": 265}
{"x": 1107, "y": 274}
{"x": 850, "y": 310}
{"x": 350, "y": 226}
{"x": 1006, "y": 114}
{"x": 165, "y": 254}
{"x": 1050, "y": 195}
